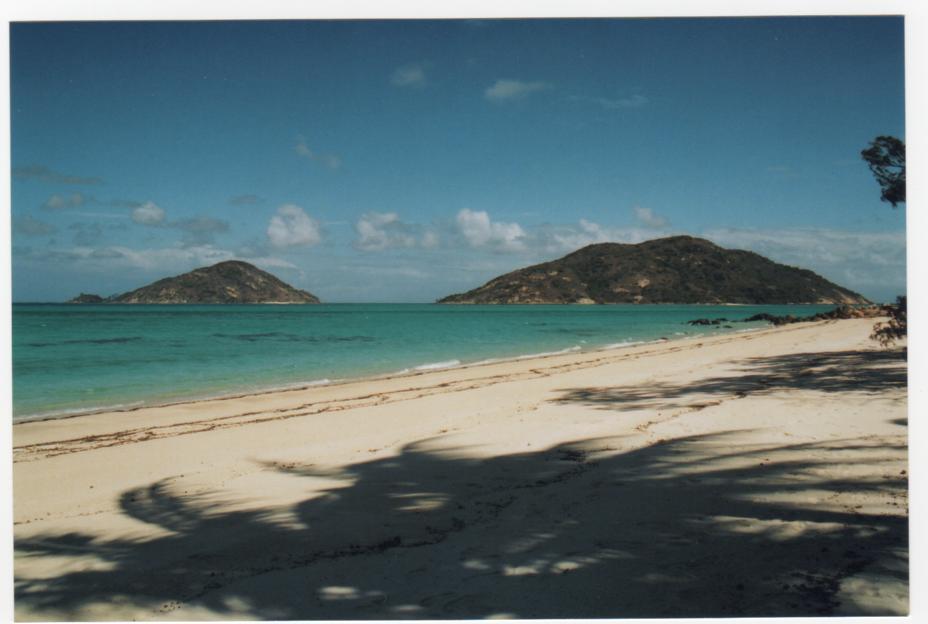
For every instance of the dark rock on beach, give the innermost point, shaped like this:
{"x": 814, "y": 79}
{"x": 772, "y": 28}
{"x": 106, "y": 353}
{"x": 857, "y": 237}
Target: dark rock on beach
{"x": 841, "y": 312}
{"x": 705, "y": 321}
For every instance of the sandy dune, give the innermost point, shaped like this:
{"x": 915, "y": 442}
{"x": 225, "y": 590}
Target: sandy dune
{"x": 762, "y": 474}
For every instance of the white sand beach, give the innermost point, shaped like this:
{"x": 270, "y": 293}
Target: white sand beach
{"x": 755, "y": 474}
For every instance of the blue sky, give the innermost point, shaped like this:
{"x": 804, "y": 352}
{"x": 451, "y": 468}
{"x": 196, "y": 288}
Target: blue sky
{"x": 403, "y": 161}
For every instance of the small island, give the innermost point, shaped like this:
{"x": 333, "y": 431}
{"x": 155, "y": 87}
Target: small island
{"x": 232, "y": 281}
{"x": 87, "y": 298}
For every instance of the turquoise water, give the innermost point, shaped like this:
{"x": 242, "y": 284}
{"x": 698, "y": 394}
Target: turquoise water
{"x": 70, "y": 359}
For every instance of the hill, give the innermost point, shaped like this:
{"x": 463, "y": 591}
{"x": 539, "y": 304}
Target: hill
{"x": 677, "y": 269}
{"x": 227, "y": 282}
{"x": 87, "y": 298}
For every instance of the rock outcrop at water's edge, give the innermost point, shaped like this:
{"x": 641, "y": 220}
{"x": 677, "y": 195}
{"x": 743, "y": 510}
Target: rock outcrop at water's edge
{"x": 677, "y": 269}
{"x": 841, "y": 312}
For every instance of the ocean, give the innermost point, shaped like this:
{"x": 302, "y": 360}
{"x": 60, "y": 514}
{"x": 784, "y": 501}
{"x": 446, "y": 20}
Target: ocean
{"x": 72, "y": 359}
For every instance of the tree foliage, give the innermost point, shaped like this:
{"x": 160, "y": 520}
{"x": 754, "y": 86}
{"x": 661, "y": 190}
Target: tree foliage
{"x": 896, "y": 327}
{"x": 886, "y": 158}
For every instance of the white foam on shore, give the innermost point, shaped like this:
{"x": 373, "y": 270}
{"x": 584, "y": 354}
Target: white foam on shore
{"x": 438, "y": 365}
{"x": 548, "y": 353}
{"x": 619, "y": 345}
{"x": 298, "y": 385}
{"x": 455, "y": 363}
{"x": 319, "y": 382}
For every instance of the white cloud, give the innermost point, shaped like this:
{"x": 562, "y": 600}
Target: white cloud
{"x": 412, "y": 75}
{"x": 60, "y": 202}
{"x": 816, "y": 244}
{"x": 479, "y": 231}
{"x": 161, "y": 261}
{"x": 303, "y": 150}
{"x": 561, "y": 238}
{"x": 292, "y": 227}
{"x": 382, "y": 230}
{"x": 270, "y": 262}
{"x": 148, "y": 213}
{"x": 648, "y": 218}
{"x": 552, "y": 239}
{"x": 169, "y": 259}
{"x": 385, "y": 230}
{"x": 504, "y": 89}
{"x": 863, "y": 261}
{"x": 430, "y": 239}
{"x": 197, "y": 231}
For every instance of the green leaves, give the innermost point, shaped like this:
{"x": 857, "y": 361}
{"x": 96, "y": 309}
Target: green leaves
{"x": 886, "y": 158}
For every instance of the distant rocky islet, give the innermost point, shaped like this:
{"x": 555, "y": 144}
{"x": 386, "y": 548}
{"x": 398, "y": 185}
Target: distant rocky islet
{"x": 87, "y": 298}
{"x": 228, "y": 282}
{"x": 677, "y": 269}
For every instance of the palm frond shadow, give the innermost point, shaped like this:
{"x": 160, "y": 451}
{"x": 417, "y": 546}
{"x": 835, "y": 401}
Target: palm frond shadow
{"x": 864, "y": 372}
{"x": 687, "y": 527}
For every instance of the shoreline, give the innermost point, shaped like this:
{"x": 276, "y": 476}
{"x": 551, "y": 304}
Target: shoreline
{"x": 757, "y": 474}
{"x": 423, "y": 369}
{"x": 171, "y": 417}
{"x": 305, "y": 385}
{"x": 109, "y": 427}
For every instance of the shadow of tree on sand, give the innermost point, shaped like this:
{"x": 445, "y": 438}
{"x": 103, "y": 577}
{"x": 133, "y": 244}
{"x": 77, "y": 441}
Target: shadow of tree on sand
{"x": 839, "y": 371}
{"x": 688, "y": 527}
